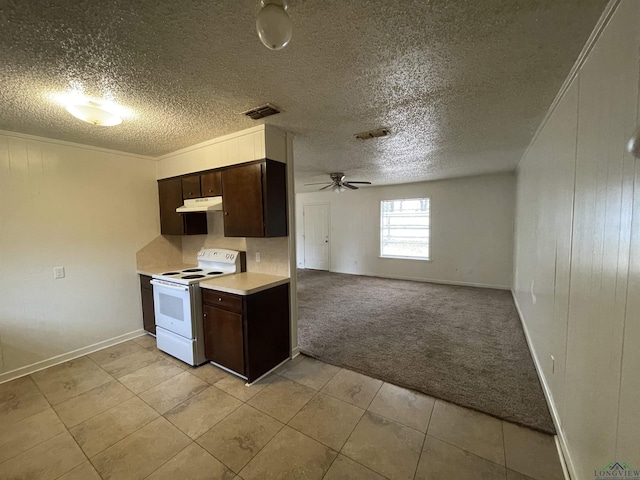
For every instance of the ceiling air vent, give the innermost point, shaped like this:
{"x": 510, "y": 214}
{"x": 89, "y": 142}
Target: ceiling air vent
{"x": 261, "y": 112}
{"x": 381, "y": 132}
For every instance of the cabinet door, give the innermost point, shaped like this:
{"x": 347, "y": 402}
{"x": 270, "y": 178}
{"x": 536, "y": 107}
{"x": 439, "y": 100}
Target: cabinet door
{"x": 170, "y": 195}
{"x": 191, "y": 187}
{"x": 211, "y": 184}
{"x": 242, "y": 201}
{"x": 224, "y": 340}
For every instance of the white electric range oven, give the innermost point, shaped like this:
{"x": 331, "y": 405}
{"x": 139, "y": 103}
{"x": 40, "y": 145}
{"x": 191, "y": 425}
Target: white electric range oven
{"x": 178, "y": 303}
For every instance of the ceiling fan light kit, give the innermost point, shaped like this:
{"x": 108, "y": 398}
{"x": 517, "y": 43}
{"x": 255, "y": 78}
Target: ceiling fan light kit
{"x": 273, "y": 24}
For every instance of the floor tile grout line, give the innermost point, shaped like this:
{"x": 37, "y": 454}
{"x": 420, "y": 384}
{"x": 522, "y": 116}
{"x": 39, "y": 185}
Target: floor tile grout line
{"x": 121, "y": 440}
{"x": 424, "y": 440}
{"x": 66, "y": 430}
{"x": 56, "y": 413}
{"x": 284, "y": 374}
{"x": 153, "y": 386}
{"x": 464, "y": 450}
{"x": 173, "y": 456}
{"x": 258, "y": 452}
{"x": 393, "y": 421}
{"x": 63, "y": 426}
{"x": 358, "y": 462}
{"x": 504, "y": 449}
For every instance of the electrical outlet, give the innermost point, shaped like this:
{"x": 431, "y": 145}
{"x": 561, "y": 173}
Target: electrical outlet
{"x": 58, "y": 272}
{"x": 257, "y": 257}
{"x": 553, "y": 364}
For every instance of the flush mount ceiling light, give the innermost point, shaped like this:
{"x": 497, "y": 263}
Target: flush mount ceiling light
{"x": 96, "y": 111}
{"x": 273, "y": 24}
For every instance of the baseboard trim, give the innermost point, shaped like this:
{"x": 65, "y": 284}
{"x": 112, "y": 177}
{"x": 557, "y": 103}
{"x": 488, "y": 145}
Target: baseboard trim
{"x": 295, "y": 352}
{"x": 432, "y": 280}
{"x": 560, "y": 439}
{"x": 65, "y": 357}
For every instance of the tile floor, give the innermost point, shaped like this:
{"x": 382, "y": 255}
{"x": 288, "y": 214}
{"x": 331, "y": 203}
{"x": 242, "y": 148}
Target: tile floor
{"x": 132, "y": 412}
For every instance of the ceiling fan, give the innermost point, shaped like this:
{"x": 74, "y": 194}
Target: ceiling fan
{"x": 338, "y": 183}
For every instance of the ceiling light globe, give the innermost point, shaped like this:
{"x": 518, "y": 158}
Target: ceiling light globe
{"x": 94, "y": 114}
{"x": 274, "y": 26}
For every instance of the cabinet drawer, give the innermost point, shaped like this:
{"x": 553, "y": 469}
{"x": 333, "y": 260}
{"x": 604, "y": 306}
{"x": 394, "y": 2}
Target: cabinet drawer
{"x": 225, "y": 301}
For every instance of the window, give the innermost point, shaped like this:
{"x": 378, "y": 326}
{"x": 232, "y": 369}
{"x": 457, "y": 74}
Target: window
{"x": 404, "y": 228}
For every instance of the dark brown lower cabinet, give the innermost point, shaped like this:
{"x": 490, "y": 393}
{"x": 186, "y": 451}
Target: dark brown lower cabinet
{"x": 148, "y": 312}
{"x": 247, "y": 334}
{"x": 224, "y": 343}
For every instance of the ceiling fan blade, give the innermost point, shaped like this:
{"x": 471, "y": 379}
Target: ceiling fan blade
{"x": 364, "y": 183}
{"x": 328, "y": 186}
{"x": 321, "y": 183}
{"x": 345, "y": 184}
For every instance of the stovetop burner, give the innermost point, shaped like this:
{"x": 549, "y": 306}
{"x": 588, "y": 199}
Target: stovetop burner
{"x": 212, "y": 263}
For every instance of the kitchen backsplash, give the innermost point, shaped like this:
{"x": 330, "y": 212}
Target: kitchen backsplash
{"x": 160, "y": 252}
{"x": 274, "y": 255}
{"x": 191, "y": 244}
{"x": 174, "y": 250}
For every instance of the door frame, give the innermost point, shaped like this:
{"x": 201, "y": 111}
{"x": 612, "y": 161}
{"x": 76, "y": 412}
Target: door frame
{"x": 304, "y": 232}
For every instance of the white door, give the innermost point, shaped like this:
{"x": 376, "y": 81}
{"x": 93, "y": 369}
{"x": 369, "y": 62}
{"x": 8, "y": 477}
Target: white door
{"x": 316, "y": 236}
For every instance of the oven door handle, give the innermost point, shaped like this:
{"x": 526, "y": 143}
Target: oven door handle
{"x": 173, "y": 286}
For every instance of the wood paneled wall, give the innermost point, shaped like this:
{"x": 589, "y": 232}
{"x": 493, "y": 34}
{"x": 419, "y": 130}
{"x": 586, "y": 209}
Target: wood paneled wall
{"x": 577, "y": 253}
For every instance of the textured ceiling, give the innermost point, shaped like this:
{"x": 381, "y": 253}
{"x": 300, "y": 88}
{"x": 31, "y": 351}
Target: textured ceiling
{"x": 461, "y": 84}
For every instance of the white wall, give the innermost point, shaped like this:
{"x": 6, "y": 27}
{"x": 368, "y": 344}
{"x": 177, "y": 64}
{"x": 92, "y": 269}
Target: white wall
{"x": 88, "y": 210}
{"x": 262, "y": 141}
{"x": 471, "y": 230}
{"x": 577, "y": 253}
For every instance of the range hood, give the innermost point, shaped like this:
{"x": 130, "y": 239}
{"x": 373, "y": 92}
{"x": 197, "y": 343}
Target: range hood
{"x": 207, "y": 204}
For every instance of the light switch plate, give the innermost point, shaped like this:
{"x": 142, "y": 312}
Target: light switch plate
{"x": 58, "y": 272}
{"x": 257, "y": 257}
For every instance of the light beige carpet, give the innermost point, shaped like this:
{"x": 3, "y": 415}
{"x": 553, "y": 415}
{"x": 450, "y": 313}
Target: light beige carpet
{"x": 461, "y": 344}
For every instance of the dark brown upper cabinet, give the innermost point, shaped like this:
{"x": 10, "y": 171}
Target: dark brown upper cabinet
{"x": 211, "y": 184}
{"x": 254, "y": 200}
{"x": 171, "y": 222}
{"x": 191, "y": 187}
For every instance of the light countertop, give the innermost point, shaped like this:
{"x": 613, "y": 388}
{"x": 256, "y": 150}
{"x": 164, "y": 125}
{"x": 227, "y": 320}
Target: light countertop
{"x": 245, "y": 283}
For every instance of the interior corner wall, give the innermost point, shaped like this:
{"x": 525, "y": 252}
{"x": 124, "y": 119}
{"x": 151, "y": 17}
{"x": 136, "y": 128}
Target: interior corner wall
{"x": 577, "y": 253}
{"x": 88, "y": 210}
{"x": 471, "y": 230}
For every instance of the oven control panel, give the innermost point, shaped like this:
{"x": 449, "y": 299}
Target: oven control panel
{"x": 217, "y": 255}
